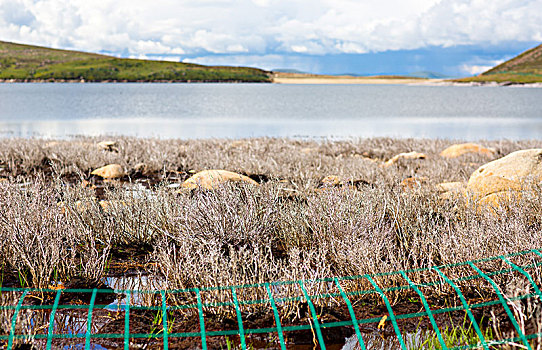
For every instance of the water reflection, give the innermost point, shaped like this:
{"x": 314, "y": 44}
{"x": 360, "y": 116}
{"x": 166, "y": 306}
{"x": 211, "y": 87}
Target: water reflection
{"x": 451, "y": 128}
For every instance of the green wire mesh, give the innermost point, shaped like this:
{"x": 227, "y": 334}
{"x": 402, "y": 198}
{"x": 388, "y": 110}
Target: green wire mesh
{"x": 317, "y": 325}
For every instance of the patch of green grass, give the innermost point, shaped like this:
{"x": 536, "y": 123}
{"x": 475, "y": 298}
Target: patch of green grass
{"x": 25, "y": 62}
{"x": 504, "y": 77}
{"x": 454, "y": 336}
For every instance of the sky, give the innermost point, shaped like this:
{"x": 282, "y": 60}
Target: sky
{"x": 452, "y": 37}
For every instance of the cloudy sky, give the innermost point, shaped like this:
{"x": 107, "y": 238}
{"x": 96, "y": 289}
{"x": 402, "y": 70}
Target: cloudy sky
{"x": 454, "y": 37}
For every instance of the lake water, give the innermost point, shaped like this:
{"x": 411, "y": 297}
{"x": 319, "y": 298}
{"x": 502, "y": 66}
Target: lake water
{"x": 251, "y": 110}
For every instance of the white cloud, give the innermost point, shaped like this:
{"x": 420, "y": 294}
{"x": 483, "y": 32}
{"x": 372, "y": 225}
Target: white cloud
{"x": 474, "y": 69}
{"x": 478, "y": 65}
{"x": 269, "y": 62}
{"x": 263, "y": 27}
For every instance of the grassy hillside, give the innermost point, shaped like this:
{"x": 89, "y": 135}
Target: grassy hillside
{"x": 34, "y": 63}
{"x": 524, "y": 68}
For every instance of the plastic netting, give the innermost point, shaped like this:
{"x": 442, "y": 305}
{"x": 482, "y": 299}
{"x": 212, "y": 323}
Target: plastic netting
{"x": 166, "y": 302}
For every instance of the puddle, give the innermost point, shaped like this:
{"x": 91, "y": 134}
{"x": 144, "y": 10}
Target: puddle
{"x": 138, "y": 282}
{"x": 377, "y": 342}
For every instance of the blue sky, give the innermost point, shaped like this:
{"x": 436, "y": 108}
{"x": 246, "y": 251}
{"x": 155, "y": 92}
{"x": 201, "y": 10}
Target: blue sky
{"x": 456, "y": 38}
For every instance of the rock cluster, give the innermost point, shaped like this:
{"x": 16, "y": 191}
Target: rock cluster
{"x": 492, "y": 184}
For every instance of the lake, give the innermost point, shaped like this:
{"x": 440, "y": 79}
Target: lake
{"x": 252, "y": 110}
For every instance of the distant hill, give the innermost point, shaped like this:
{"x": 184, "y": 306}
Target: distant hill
{"x": 34, "y": 63}
{"x": 427, "y": 75}
{"x": 288, "y": 70}
{"x": 524, "y": 68}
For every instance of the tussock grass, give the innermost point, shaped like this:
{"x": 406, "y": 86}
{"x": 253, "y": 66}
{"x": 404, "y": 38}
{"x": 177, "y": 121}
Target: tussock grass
{"x": 302, "y": 162}
{"x": 41, "y": 243}
{"x": 53, "y": 227}
{"x": 252, "y": 234}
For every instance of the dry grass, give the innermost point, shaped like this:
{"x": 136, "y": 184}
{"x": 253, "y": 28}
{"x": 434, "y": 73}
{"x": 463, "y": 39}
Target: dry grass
{"x": 302, "y": 162}
{"x": 253, "y": 234}
{"x": 43, "y": 244}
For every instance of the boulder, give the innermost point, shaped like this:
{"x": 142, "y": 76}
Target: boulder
{"x": 211, "y": 179}
{"x": 108, "y": 145}
{"x": 458, "y": 150}
{"x": 408, "y": 155}
{"x": 500, "y": 179}
{"x": 111, "y": 171}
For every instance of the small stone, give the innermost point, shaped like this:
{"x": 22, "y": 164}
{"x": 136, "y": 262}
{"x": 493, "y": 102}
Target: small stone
{"x": 142, "y": 169}
{"x": 408, "y": 155}
{"x": 458, "y": 150}
{"x": 108, "y": 145}
{"x": 212, "y": 179}
{"x": 413, "y": 183}
{"x": 111, "y": 171}
{"x": 331, "y": 181}
{"x": 87, "y": 184}
{"x": 238, "y": 144}
{"x": 52, "y": 144}
{"x": 308, "y": 150}
{"x": 109, "y": 205}
{"x": 365, "y": 156}
{"x": 80, "y": 206}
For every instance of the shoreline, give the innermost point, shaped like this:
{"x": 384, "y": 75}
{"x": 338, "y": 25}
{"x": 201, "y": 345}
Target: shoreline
{"x": 82, "y": 81}
{"x": 297, "y": 79}
{"x": 316, "y": 79}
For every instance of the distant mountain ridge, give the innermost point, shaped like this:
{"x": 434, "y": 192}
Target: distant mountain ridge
{"x": 524, "y": 68}
{"x": 20, "y": 62}
{"x": 428, "y": 75}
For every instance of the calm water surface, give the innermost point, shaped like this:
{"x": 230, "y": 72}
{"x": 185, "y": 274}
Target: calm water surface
{"x": 250, "y": 110}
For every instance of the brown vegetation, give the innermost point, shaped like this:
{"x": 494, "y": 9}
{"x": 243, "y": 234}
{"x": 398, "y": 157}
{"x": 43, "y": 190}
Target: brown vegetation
{"x": 53, "y": 227}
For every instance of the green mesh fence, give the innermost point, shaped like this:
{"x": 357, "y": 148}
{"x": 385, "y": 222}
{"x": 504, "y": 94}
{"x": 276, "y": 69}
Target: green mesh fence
{"x": 198, "y": 302}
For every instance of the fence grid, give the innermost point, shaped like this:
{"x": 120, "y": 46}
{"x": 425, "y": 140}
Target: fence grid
{"x": 316, "y": 325}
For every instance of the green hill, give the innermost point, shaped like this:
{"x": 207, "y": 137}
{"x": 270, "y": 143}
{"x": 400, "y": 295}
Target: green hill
{"x": 34, "y": 63}
{"x": 524, "y": 68}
